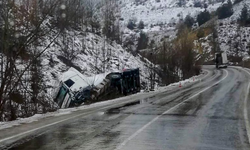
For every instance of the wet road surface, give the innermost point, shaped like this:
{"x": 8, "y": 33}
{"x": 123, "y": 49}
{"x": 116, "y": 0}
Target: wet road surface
{"x": 204, "y": 116}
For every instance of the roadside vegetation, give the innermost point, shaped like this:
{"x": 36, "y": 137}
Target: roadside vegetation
{"x": 28, "y": 29}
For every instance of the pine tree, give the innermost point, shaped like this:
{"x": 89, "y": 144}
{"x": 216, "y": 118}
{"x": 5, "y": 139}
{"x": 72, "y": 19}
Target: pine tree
{"x": 237, "y": 1}
{"x": 189, "y": 21}
{"x": 141, "y": 25}
{"x": 244, "y": 15}
{"x": 109, "y": 12}
{"x": 36, "y": 83}
{"x": 142, "y": 41}
{"x": 203, "y": 17}
{"x": 131, "y": 24}
{"x": 225, "y": 10}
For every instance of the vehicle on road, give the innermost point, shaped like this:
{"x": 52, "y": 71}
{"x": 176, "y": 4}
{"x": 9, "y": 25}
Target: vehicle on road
{"x": 221, "y": 60}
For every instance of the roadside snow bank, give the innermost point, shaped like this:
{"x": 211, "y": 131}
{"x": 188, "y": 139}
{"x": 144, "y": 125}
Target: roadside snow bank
{"x": 60, "y": 112}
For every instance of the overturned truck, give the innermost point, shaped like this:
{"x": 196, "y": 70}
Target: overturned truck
{"x": 75, "y": 88}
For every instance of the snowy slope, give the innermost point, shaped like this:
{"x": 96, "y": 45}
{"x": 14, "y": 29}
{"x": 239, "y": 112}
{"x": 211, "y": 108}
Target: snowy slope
{"x": 230, "y": 33}
{"x": 160, "y": 17}
{"x": 157, "y": 16}
{"x": 87, "y": 58}
{"x": 60, "y": 112}
{"x": 165, "y": 12}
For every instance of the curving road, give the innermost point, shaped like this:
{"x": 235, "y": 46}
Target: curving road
{"x": 209, "y": 115}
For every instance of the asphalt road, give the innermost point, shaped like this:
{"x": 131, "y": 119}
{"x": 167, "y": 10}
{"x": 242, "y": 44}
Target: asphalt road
{"x": 209, "y": 115}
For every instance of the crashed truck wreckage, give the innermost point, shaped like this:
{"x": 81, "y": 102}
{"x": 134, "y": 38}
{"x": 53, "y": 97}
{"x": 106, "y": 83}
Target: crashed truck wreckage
{"x": 75, "y": 88}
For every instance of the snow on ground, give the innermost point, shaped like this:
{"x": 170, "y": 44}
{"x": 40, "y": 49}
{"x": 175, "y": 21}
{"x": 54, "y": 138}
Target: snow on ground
{"x": 154, "y": 13}
{"x": 237, "y": 10}
{"x": 206, "y": 51}
{"x": 183, "y": 83}
{"x": 233, "y": 39}
{"x": 230, "y": 33}
{"x": 89, "y": 58}
{"x": 160, "y": 17}
{"x": 60, "y": 112}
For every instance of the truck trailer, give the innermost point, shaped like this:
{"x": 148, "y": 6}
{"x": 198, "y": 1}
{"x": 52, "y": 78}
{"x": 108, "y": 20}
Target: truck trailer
{"x": 221, "y": 60}
{"x": 75, "y": 88}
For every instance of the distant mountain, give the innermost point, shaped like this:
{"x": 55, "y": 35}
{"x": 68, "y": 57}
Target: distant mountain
{"x": 161, "y": 18}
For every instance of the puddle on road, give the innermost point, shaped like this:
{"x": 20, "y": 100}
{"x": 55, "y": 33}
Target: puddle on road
{"x": 117, "y": 110}
{"x": 145, "y": 100}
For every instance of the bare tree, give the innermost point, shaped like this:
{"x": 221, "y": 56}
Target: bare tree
{"x": 91, "y": 15}
{"x": 111, "y": 24}
{"x": 21, "y": 27}
{"x": 184, "y": 45}
{"x": 169, "y": 62}
{"x": 177, "y": 58}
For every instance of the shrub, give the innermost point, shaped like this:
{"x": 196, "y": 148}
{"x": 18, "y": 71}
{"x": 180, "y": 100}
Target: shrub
{"x": 225, "y": 11}
{"x": 142, "y": 41}
{"x": 203, "y": 17}
{"x": 189, "y": 21}
{"x": 131, "y": 24}
{"x": 197, "y": 4}
{"x": 141, "y": 25}
{"x": 237, "y": 1}
{"x": 244, "y": 16}
{"x": 200, "y": 33}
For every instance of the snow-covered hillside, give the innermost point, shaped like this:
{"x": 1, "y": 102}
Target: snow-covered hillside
{"x": 81, "y": 41}
{"x": 162, "y": 14}
{"x": 158, "y": 16}
{"x": 45, "y": 39}
{"x": 161, "y": 17}
{"x": 89, "y": 60}
{"x": 233, "y": 38}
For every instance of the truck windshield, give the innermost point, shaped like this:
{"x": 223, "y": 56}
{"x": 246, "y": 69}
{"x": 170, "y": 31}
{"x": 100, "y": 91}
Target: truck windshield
{"x": 61, "y": 95}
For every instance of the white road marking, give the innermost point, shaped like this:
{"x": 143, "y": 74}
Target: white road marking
{"x": 206, "y": 74}
{"x": 245, "y": 109}
{"x": 246, "y": 114}
{"x": 48, "y": 125}
{"x": 166, "y": 112}
{"x": 32, "y": 130}
{"x": 213, "y": 77}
